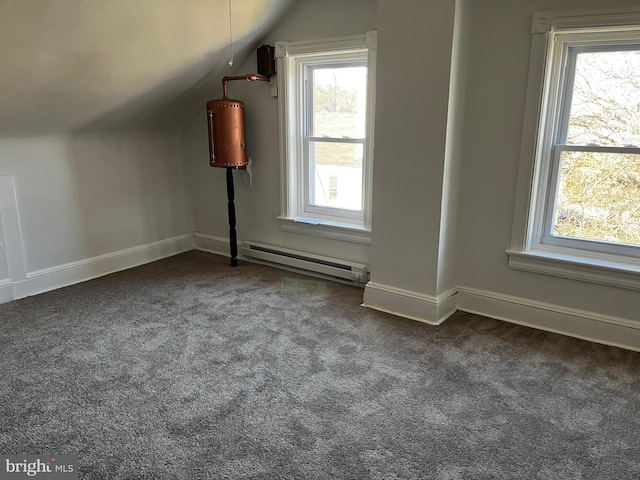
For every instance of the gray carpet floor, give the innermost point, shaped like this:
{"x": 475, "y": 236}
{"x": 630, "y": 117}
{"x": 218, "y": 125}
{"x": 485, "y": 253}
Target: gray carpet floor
{"x": 189, "y": 369}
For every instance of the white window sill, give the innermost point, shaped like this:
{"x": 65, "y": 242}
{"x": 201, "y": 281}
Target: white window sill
{"x": 604, "y": 270}
{"x": 327, "y": 229}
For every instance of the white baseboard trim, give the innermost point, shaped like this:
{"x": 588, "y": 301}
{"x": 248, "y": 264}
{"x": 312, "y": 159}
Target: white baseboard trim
{"x": 433, "y": 310}
{"x": 41, "y": 281}
{"x": 212, "y": 244}
{"x": 594, "y": 327}
{"x": 408, "y": 304}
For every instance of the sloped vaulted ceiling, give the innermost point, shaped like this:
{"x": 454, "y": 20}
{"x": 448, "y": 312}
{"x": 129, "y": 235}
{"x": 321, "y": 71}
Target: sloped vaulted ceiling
{"x": 73, "y": 65}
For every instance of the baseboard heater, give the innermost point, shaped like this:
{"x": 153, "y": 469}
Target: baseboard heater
{"x": 307, "y": 263}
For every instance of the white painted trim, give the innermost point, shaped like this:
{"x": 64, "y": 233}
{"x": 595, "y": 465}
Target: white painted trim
{"x": 542, "y": 22}
{"x": 535, "y": 108}
{"x": 433, "y": 310}
{"x": 60, "y": 276}
{"x": 587, "y": 19}
{"x": 346, "y": 233}
{"x": 212, "y": 244}
{"x": 610, "y": 265}
{"x": 352, "y": 42}
{"x": 594, "y": 327}
{"x": 588, "y": 268}
{"x": 409, "y": 304}
{"x": 291, "y": 57}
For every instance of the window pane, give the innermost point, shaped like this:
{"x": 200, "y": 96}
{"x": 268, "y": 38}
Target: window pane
{"x": 599, "y": 197}
{"x": 605, "y": 108}
{"x": 339, "y": 100}
{"x": 336, "y": 175}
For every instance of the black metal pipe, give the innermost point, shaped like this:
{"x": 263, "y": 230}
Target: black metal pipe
{"x": 233, "y": 240}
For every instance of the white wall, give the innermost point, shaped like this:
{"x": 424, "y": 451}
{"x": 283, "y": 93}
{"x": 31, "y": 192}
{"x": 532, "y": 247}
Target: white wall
{"x": 498, "y": 68}
{"x": 414, "y": 77}
{"x": 411, "y": 119}
{"x": 450, "y": 102}
{"x": 257, "y": 208}
{"x": 416, "y": 161}
{"x": 84, "y": 196}
{"x": 446, "y": 274}
{"x": 451, "y": 87}
{"x": 94, "y": 96}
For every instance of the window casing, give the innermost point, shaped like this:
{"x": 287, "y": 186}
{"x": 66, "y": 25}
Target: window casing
{"x": 564, "y": 222}
{"x": 326, "y": 94}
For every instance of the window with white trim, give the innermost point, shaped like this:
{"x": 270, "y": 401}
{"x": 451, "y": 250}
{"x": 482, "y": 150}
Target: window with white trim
{"x": 326, "y": 91}
{"x": 583, "y": 216}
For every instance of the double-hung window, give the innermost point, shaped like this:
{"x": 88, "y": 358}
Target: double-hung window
{"x": 326, "y": 91}
{"x": 583, "y": 210}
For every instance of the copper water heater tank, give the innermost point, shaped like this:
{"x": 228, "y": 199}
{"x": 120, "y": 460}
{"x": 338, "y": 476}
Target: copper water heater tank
{"x": 227, "y": 139}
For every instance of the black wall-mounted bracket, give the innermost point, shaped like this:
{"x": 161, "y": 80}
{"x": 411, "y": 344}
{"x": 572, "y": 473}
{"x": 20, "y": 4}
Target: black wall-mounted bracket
{"x": 266, "y": 60}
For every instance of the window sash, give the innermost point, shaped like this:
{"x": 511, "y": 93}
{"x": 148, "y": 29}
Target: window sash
{"x": 305, "y": 64}
{"x": 559, "y": 86}
{"x": 570, "y": 57}
{"x": 537, "y": 150}
{"x": 349, "y": 60}
{"x": 309, "y": 207}
{"x": 293, "y": 58}
{"x": 548, "y": 237}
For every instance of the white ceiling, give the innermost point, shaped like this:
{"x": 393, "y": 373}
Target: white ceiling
{"x": 69, "y": 65}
